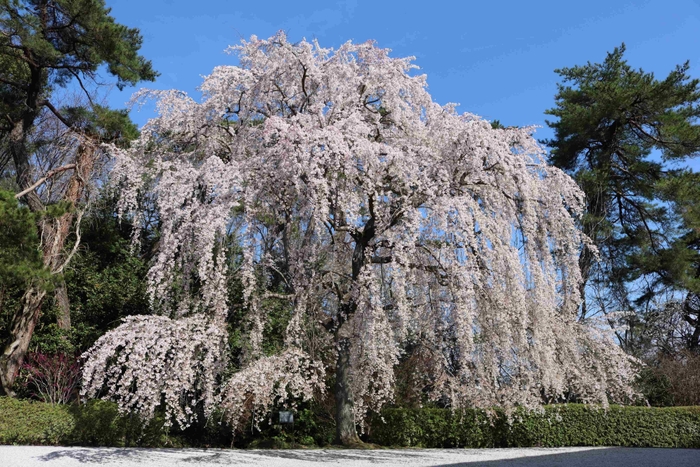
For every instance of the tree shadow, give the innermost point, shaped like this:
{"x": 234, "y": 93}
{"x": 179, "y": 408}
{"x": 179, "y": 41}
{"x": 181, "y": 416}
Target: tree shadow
{"x": 135, "y": 456}
{"x": 594, "y": 457}
{"x": 93, "y": 455}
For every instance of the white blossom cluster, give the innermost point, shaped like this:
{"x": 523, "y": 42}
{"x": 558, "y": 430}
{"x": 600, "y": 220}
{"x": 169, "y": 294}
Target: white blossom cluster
{"x": 397, "y": 220}
{"x": 150, "y": 360}
{"x": 269, "y": 381}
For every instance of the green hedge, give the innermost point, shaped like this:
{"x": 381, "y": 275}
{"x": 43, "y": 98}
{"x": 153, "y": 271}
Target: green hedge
{"x": 580, "y": 425}
{"x": 25, "y": 422}
{"x": 97, "y": 423}
{"x": 435, "y": 428}
{"x": 559, "y": 425}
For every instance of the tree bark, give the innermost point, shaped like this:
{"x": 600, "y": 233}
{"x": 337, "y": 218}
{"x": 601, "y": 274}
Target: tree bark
{"x": 59, "y": 230}
{"x": 345, "y": 430}
{"x": 63, "y": 304}
{"x": 23, "y": 324}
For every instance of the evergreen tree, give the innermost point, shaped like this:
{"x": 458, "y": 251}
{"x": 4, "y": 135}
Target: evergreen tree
{"x": 46, "y": 44}
{"x": 20, "y": 260}
{"x": 621, "y": 133}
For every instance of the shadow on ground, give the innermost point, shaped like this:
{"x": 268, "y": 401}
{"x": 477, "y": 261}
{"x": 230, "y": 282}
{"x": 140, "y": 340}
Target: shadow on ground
{"x": 598, "y": 457}
{"x": 146, "y": 456}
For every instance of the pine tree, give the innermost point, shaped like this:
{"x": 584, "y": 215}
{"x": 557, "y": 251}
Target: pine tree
{"x": 44, "y": 45}
{"x": 621, "y": 133}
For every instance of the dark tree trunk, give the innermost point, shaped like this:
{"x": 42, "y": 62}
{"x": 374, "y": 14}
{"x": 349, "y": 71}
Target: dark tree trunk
{"x": 23, "y": 324}
{"x": 691, "y": 308}
{"x": 20, "y": 157}
{"x": 345, "y": 430}
{"x": 585, "y": 262}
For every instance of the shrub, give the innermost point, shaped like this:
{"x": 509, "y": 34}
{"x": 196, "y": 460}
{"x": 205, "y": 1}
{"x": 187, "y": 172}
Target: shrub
{"x": 97, "y": 423}
{"x": 683, "y": 374}
{"x": 30, "y": 422}
{"x": 581, "y": 425}
{"x": 655, "y": 387}
{"x": 433, "y": 427}
{"x": 557, "y": 425}
{"x": 53, "y": 379}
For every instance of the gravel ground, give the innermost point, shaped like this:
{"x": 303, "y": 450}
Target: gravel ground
{"x": 44, "y": 456}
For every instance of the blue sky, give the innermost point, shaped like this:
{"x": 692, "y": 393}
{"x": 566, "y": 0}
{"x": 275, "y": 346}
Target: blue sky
{"x": 496, "y": 59}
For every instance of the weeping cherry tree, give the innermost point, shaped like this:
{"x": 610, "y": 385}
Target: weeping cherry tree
{"x": 387, "y": 218}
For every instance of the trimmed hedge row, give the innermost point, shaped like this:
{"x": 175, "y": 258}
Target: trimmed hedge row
{"x": 97, "y": 423}
{"x": 443, "y": 428}
{"x": 24, "y": 422}
{"x": 557, "y": 426}
{"x": 580, "y": 425}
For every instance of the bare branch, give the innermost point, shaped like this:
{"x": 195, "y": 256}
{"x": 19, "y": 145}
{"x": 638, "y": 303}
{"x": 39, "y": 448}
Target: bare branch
{"x": 43, "y": 179}
{"x": 58, "y": 114}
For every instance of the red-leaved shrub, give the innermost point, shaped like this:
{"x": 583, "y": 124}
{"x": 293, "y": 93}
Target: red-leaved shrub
{"x": 52, "y": 378}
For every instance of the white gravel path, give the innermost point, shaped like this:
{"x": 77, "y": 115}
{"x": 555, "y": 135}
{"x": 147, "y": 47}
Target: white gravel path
{"x": 45, "y": 456}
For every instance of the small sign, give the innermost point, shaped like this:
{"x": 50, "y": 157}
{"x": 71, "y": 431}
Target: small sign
{"x": 286, "y": 418}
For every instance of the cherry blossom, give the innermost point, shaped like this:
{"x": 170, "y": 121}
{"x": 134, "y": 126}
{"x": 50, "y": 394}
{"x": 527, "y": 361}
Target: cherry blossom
{"x": 389, "y": 220}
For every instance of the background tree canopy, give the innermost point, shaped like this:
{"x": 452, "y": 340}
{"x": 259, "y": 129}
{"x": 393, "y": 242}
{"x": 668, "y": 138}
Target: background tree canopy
{"x": 45, "y": 45}
{"x": 624, "y": 135}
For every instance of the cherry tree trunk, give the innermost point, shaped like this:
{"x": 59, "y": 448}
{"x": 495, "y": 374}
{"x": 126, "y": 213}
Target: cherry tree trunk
{"x": 346, "y": 433}
{"x": 23, "y": 324}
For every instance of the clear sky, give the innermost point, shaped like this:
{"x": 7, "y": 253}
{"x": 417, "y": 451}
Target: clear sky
{"x": 496, "y": 59}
